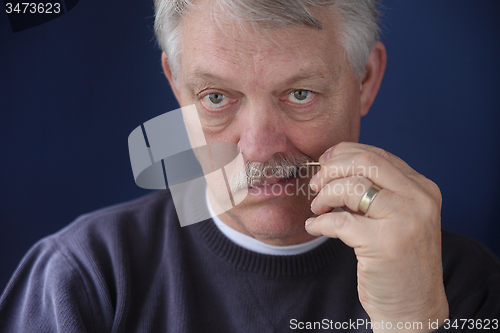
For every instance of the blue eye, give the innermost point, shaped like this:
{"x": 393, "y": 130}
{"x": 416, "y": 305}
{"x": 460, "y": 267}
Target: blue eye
{"x": 215, "y": 100}
{"x": 300, "y": 96}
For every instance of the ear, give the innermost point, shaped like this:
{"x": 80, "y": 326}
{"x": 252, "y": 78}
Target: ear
{"x": 168, "y": 74}
{"x": 374, "y": 72}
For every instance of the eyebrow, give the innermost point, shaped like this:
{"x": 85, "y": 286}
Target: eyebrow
{"x": 200, "y": 77}
{"x": 311, "y": 76}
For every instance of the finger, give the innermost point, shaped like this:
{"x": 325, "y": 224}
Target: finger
{"x": 366, "y": 164}
{"x": 342, "y": 148}
{"x": 339, "y": 193}
{"x": 348, "y": 192}
{"x": 354, "y": 230}
{"x": 354, "y": 147}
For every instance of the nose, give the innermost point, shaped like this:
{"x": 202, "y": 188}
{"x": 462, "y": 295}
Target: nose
{"x": 262, "y": 132}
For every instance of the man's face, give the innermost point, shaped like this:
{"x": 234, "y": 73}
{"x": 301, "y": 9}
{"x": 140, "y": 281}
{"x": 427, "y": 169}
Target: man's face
{"x": 278, "y": 92}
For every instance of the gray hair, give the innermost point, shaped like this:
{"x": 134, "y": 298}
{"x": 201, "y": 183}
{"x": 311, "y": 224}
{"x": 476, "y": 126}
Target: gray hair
{"x": 359, "y": 27}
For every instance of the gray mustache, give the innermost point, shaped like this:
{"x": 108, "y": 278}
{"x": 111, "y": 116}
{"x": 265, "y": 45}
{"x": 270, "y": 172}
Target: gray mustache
{"x": 279, "y": 166}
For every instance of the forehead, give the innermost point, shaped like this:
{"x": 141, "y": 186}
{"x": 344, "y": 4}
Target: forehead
{"x": 213, "y": 43}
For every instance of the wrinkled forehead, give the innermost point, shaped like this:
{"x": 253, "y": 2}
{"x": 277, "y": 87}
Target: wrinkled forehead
{"x": 210, "y": 21}
{"x": 210, "y": 35}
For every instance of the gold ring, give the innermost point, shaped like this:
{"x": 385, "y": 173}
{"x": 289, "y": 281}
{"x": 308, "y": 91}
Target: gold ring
{"x": 368, "y": 198}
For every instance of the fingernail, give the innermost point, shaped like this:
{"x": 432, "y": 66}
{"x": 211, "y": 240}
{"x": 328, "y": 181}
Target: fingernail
{"x": 313, "y": 178}
{"x": 309, "y": 220}
{"x": 323, "y": 158}
{"x": 314, "y": 200}
{"x": 313, "y": 187}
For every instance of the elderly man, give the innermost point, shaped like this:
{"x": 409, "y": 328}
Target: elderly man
{"x": 287, "y": 82}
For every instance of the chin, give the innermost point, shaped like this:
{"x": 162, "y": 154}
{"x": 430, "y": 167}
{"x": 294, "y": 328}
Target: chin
{"x": 274, "y": 219}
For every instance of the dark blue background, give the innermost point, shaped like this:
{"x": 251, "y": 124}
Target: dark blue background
{"x": 73, "y": 89}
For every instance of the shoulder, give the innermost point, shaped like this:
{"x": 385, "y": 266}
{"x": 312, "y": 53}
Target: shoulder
{"x": 109, "y": 234}
{"x": 463, "y": 253}
{"x": 85, "y": 270}
{"x": 136, "y": 215}
{"x": 471, "y": 276}
{"x": 113, "y": 246}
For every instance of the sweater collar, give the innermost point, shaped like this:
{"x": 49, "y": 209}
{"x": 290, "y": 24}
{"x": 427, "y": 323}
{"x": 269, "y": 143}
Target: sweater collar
{"x": 308, "y": 263}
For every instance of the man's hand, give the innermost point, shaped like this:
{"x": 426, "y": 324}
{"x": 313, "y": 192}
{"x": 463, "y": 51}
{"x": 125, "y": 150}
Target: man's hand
{"x": 398, "y": 241}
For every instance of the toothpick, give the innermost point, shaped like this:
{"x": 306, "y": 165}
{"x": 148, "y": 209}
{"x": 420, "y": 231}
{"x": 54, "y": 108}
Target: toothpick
{"x": 309, "y": 163}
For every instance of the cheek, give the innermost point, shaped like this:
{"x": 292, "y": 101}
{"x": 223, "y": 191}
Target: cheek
{"x": 320, "y": 134}
{"x": 354, "y": 119}
{"x": 339, "y": 121}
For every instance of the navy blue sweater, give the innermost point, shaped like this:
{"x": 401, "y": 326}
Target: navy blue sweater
{"x": 132, "y": 268}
